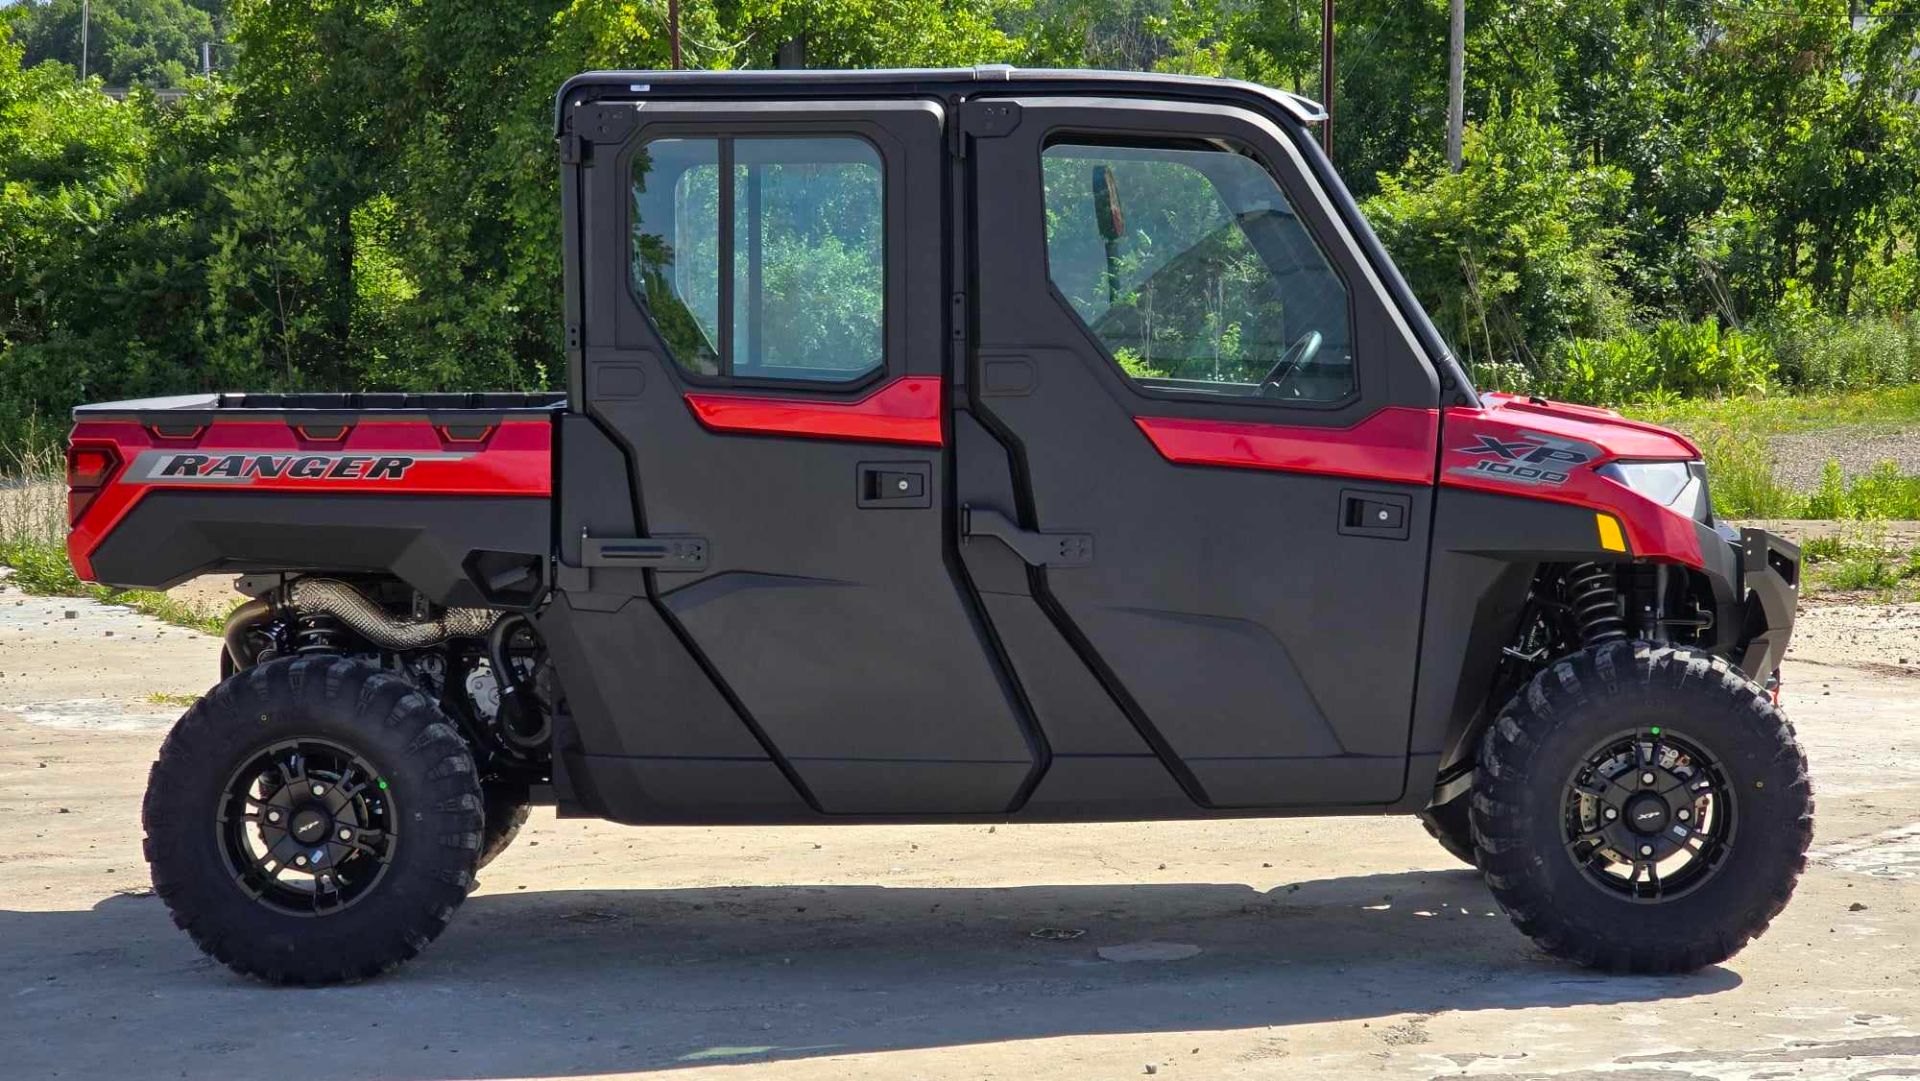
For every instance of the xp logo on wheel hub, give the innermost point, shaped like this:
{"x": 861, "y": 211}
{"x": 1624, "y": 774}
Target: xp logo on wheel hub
{"x": 1648, "y": 815}
{"x": 309, "y": 826}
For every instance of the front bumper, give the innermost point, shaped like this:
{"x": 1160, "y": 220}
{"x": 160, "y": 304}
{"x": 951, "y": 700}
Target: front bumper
{"x": 1768, "y": 577}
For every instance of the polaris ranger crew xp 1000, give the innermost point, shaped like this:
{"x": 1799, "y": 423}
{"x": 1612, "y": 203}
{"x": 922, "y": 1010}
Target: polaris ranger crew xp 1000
{"x": 954, "y": 446}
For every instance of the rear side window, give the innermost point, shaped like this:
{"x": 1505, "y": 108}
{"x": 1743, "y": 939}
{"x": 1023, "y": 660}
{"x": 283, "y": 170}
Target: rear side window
{"x": 777, "y": 273}
{"x": 1190, "y": 266}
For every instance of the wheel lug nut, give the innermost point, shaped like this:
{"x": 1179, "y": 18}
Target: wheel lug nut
{"x": 1683, "y": 814}
{"x": 300, "y": 861}
{"x": 1612, "y": 814}
{"x": 320, "y": 790}
{"x": 1645, "y": 778}
{"x": 1646, "y": 850}
{"x": 273, "y": 816}
{"x": 346, "y": 835}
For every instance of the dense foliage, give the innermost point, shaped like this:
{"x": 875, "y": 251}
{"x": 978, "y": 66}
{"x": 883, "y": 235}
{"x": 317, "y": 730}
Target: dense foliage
{"x": 1665, "y": 196}
{"x": 155, "y": 43}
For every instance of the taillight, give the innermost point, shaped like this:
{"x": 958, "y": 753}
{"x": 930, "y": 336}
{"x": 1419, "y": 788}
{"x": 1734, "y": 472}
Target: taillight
{"x": 89, "y": 468}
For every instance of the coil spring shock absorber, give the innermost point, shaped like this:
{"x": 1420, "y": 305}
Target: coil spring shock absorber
{"x": 316, "y": 632}
{"x": 1593, "y": 598}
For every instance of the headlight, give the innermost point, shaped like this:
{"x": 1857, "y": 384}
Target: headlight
{"x": 1680, "y": 485}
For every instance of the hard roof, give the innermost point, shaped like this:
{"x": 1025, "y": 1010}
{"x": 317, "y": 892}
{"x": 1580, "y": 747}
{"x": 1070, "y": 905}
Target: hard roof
{"x": 602, "y": 84}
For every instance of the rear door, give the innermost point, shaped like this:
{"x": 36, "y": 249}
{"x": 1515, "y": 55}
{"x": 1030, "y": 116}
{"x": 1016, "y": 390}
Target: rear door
{"x": 764, "y": 337}
{"x": 1184, "y": 365}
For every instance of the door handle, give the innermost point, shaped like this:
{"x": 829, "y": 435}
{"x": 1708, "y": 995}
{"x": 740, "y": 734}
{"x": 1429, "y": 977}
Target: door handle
{"x": 1374, "y": 514}
{"x": 1036, "y": 549}
{"x": 894, "y": 484}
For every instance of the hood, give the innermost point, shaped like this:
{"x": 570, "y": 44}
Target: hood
{"x": 1613, "y": 435}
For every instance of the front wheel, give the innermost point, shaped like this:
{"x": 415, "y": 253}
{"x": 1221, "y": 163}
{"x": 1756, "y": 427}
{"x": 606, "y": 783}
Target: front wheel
{"x": 1451, "y": 825}
{"x": 1642, "y": 808}
{"x": 313, "y": 820}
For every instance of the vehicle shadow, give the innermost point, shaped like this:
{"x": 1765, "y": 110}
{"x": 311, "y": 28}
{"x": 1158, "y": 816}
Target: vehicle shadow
{"x": 565, "y": 983}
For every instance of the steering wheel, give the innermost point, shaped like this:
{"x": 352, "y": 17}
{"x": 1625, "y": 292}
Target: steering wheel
{"x": 1303, "y": 350}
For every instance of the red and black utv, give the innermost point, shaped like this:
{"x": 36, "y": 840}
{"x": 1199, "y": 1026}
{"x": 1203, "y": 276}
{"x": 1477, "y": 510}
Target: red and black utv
{"x": 954, "y": 446}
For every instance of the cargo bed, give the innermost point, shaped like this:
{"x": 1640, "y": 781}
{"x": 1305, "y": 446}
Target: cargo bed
{"x": 450, "y": 491}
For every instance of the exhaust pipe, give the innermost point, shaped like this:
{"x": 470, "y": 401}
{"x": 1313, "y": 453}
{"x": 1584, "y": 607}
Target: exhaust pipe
{"x": 240, "y": 653}
{"x": 522, "y": 722}
{"x": 377, "y": 625}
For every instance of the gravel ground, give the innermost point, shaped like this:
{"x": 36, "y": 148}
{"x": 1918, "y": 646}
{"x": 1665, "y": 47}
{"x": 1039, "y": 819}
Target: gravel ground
{"x": 1881, "y": 638}
{"x": 1799, "y": 458}
{"x": 1294, "y": 949}
{"x": 1893, "y": 534}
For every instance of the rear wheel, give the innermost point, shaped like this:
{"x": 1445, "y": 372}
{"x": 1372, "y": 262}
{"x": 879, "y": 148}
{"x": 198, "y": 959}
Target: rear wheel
{"x": 313, "y": 820}
{"x": 507, "y": 804}
{"x": 1642, "y": 808}
{"x": 1451, "y": 824}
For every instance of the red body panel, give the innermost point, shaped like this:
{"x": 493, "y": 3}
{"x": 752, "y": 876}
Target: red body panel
{"x": 1485, "y": 449}
{"x": 906, "y": 410}
{"x": 1620, "y": 437}
{"x": 1652, "y": 531}
{"x": 412, "y": 457}
{"x": 1394, "y": 445}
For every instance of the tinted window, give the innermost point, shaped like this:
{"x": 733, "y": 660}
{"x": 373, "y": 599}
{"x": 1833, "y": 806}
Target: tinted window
{"x": 676, "y": 245}
{"x": 791, "y": 249}
{"x": 1190, "y": 266}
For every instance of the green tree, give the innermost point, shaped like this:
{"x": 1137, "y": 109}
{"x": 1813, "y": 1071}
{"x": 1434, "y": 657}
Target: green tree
{"x": 1517, "y": 250}
{"x": 266, "y": 277}
{"x": 364, "y": 195}
{"x": 129, "y": 42}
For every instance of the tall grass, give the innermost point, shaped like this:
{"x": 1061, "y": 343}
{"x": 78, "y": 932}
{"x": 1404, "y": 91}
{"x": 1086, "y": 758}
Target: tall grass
{"x": 33, "y": 497}
{"x": 1779, "y": 413}
{"x": 1740, "y": 471}
{"x": 1883, "y": 492}
{"x": 33, "y": 521}
{"x": 1860, "y": 558}
{"x": 1675, "y": 359}
{"x": 33, "y": 527}
{"x": 1831, "y": 353}
{"x": 1740, "y": 474}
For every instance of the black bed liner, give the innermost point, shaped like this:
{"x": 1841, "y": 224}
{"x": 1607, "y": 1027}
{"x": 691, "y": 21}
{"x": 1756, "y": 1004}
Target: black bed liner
{"x": 204, "y": 408}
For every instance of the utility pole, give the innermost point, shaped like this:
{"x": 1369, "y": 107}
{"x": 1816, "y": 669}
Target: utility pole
{"x": 1326, "y": 75}
{"x": 83, "y": 40}
{"x": 792, "y": 53}
{"x": 673, "y": 30}
{"x": 1456, "y": 80}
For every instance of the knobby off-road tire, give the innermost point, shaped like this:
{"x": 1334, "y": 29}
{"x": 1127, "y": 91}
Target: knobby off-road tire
{"x": 507, "y": 804}
{"x": 1451, "y": 824}
{"x": 390, "y": 764}
{"x": 1664, "y": 702}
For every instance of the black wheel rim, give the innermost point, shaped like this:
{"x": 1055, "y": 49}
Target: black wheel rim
{"x": 1649, "y": 815}
{"x": 307, "y": 827}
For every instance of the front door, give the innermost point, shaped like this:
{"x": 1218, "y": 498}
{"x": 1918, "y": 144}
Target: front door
{"x": 1185, "y": 366}
{"x": 766, "y": 324}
